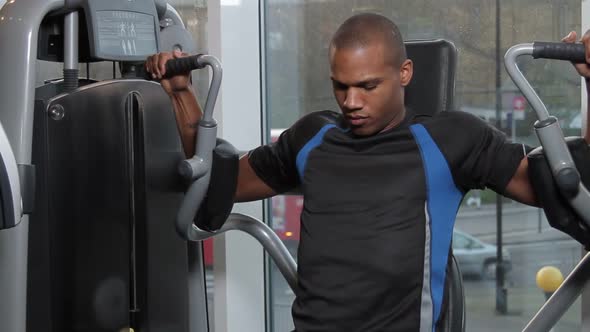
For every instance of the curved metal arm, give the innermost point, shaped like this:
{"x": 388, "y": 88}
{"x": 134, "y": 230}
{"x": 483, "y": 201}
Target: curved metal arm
{"x": 213, "y": 62}
{"x": 549, "y": 133}
{"x": 201, "y": 162}
{"x": 269, "y": 240}
{"x": 562, "y": 299}
{"x": 520, "y": 81}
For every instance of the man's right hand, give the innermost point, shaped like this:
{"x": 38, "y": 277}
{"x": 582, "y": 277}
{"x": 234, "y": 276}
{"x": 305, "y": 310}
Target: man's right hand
{"x": 155, "y": 65}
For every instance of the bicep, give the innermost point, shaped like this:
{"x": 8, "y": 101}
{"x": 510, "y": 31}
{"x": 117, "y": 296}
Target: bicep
{"x": 250, "y": 187}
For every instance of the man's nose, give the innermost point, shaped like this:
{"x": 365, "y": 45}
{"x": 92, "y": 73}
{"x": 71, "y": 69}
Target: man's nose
{"x": 353, "y": 100}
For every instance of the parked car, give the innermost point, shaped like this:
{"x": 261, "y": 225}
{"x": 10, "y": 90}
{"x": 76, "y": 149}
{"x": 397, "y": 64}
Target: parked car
{"x": 477, "y": 258}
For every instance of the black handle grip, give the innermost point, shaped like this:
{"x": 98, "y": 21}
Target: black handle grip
{"x": 182, "y": 65}
{"x": 174, "y": 67}
{"x": 573, "y": 52}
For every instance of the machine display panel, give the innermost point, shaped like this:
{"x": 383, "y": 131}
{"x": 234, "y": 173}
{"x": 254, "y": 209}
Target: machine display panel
{"x": 125, "y": 34}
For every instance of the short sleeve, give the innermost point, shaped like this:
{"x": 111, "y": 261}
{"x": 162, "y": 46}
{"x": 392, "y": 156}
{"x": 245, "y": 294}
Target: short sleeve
{"x": 275, "y": 163}
{"x": 478, "y": 154}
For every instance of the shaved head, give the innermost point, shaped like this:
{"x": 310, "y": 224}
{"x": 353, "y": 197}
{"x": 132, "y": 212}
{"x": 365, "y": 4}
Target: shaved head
{"x": 368, "y": 29}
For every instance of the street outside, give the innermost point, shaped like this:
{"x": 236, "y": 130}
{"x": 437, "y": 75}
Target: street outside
{"x": 532, "y": 245}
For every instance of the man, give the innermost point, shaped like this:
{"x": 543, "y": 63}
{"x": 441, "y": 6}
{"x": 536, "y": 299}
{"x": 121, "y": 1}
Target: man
{"x": 381, "y": 185}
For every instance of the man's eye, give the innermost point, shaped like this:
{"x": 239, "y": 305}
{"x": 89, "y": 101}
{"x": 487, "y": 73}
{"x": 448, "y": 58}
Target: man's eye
{"x": 339, "y": 86}
{"x": 370, "y": 87}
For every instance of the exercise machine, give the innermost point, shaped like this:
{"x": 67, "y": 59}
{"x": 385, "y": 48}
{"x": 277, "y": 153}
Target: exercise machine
{"x": 558, "y": 171}
{"x": 91, "y": 184}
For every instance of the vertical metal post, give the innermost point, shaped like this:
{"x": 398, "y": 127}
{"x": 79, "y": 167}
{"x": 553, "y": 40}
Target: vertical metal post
{"x": 540, "y": 220}
{"x": 71, "y": 51}
{"x": 501, "y": 293}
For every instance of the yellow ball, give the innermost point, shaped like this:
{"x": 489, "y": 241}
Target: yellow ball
{"x": 549, "y": 278}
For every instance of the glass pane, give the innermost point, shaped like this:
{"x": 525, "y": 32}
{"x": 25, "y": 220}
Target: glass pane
{"x": 297, "y": 82}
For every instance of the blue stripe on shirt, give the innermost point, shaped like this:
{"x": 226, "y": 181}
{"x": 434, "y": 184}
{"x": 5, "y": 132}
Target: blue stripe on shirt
{"x": 443, "y": 202}
{"x": 314, "y": 142}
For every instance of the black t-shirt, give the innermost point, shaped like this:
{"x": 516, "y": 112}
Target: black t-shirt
{"x": 379, "y": 211}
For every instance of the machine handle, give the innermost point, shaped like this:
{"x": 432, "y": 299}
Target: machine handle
{"x": 266, "y": 236}
{"x": 573, "y": 52}
{"x": 184, "y": 65}
{"x": 547, "y": 128}
{"x": 562, "y": 167}
{"x": 202, "y": 160}
{"x": 198, "y": 168}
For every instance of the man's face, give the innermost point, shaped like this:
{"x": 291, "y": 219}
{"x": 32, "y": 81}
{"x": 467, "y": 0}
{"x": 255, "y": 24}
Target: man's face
{"x": 368, "y": 88}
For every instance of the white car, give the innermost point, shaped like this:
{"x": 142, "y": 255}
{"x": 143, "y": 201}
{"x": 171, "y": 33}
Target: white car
{"x": 477, "y": 258}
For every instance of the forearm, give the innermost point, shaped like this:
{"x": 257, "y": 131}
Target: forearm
{"x": 188, "y": 113}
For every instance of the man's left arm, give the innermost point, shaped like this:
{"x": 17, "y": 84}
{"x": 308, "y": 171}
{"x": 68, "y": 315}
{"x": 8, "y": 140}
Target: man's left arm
{"x": 519, "y": 187}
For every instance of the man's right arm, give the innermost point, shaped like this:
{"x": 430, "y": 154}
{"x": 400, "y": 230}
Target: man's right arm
{"x": 186, "y": 107}
{"x": 250, "y": 186}
{"x": 188, "y": 112}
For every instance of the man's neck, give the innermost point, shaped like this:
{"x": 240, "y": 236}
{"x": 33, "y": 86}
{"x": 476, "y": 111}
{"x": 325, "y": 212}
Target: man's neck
{"x": 397, "y": 120}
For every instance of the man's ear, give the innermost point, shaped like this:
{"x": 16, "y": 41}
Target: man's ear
{"x": 405, "y": 72}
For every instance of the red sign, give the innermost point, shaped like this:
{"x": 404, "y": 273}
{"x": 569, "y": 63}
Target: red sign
{"x": 518, "y": 103}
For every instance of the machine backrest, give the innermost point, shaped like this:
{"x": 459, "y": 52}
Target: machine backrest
{"x": 432, "y": 88}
